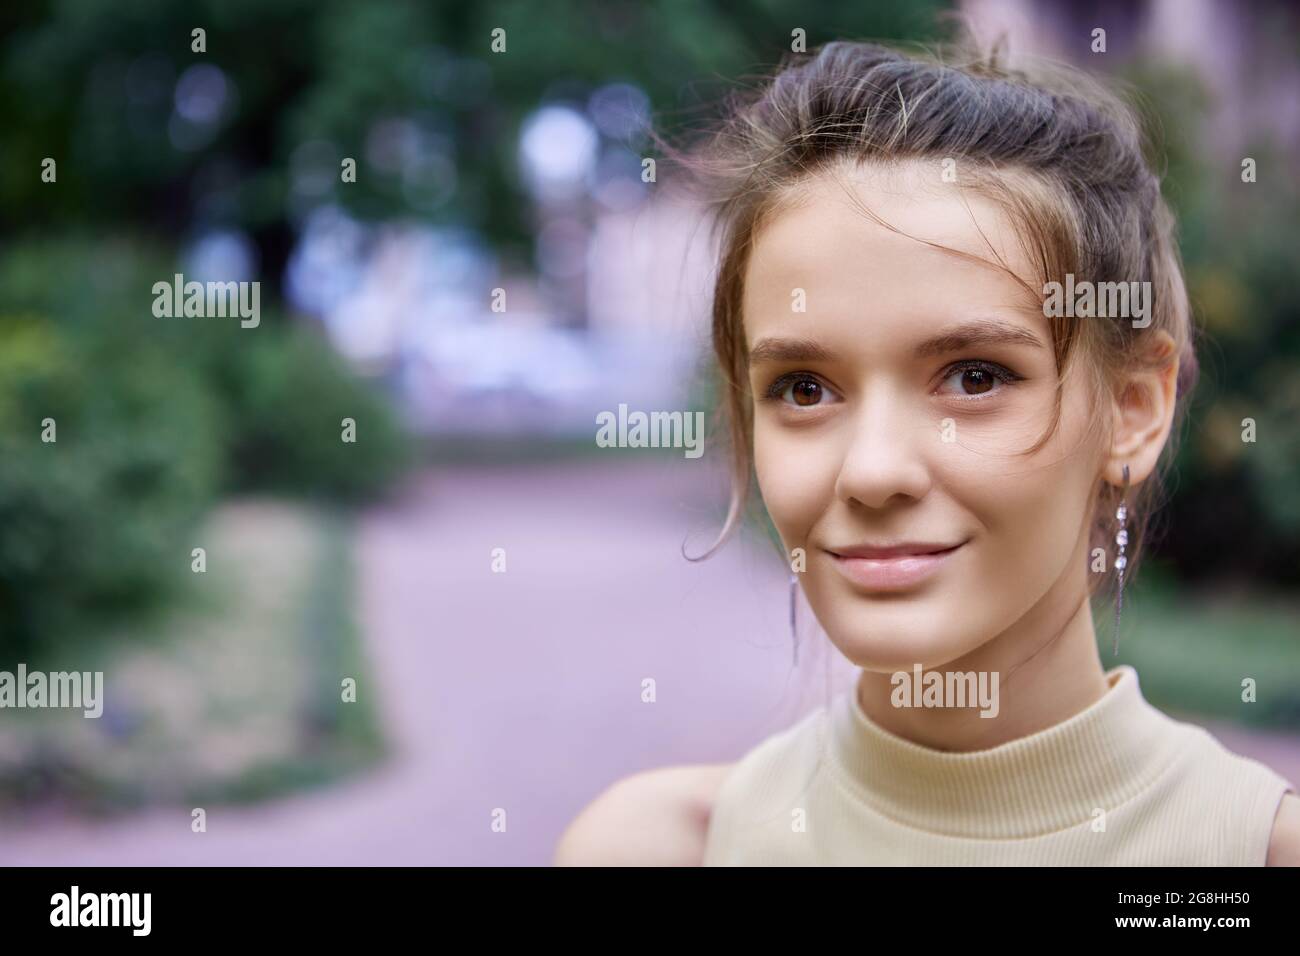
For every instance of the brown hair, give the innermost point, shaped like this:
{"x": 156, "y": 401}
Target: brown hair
{"x": 1083, "y": 195}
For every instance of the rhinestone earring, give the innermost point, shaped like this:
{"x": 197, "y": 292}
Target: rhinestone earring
{"x": 1121, "y": 562}
{"x": 794, "y": 600}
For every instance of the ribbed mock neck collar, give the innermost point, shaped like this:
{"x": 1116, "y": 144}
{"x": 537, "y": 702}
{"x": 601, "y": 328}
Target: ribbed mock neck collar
{"x": 1047, "y": 781}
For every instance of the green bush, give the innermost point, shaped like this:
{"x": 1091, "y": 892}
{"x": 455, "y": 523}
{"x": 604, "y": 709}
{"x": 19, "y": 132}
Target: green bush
{"x": 93, "y": 522}
{"x": 287, "y": 394}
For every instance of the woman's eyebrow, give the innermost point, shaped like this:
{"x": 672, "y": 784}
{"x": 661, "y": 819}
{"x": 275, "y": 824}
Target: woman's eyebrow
{"x": 979, "y": 332}
{"x": 788, "y": 350}
{"x": 953, "y": 339}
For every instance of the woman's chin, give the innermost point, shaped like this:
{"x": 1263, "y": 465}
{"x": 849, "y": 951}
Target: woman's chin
{"x": 890, "y": 640}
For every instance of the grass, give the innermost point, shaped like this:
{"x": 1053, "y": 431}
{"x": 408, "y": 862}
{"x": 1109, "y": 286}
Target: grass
{"x": 233, "y": 695}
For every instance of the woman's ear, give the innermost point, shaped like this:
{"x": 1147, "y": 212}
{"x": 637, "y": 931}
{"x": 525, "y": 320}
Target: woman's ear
{"x": 1143, "y": 413}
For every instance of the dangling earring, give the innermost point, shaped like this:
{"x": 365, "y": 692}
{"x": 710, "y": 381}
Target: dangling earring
{"x": 794, "y": 600}
{"x": 1121, "y": 562}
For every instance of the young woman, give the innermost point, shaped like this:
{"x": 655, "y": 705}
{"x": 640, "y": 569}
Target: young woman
{"x": 956, "y": 455}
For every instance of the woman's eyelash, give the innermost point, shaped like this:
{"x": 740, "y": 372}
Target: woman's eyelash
{"x": 1000, "y": 372}
{"x": 776, "y": 390}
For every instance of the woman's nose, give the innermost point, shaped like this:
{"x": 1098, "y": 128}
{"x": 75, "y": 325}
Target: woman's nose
{"x": 885, "y": 453}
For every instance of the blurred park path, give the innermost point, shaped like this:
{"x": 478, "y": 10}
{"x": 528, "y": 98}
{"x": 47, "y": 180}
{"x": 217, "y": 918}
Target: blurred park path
{"x": 522, "y": 691}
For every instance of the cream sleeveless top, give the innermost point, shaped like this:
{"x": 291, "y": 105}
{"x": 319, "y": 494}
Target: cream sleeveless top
{"x": 1118, "y": 784}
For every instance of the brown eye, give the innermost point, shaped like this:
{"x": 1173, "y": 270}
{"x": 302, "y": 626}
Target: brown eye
{"x": 806, "y": 392}
{"x": 800, "y": 390}
{"x": 975, "y": 381}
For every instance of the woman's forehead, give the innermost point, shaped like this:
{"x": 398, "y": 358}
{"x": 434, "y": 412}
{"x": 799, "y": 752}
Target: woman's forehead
{"x": 894, "y": 240}
{"x": 910, "y": 199}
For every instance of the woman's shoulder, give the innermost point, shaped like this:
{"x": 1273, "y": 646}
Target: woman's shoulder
{"x": 665, "y": 817}
{"x": 652, "y": 818}
{"x": 774, "y": 776}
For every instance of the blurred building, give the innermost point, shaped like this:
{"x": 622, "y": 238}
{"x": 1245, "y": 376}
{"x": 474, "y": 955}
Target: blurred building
{"x": 1243, "y": 53}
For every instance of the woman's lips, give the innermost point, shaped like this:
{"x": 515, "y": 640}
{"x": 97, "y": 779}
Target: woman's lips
{"x": 891, "y": 569}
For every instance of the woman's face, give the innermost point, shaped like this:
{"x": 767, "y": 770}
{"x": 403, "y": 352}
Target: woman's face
{"x": 892, "y": 413}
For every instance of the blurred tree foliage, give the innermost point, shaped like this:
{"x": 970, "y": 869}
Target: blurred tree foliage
{"x": 1235, "y": 510}
{"x": 91, "y": 84}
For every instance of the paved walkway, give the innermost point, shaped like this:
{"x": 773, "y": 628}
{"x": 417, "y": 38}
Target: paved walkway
{"x": 522, "y": 691}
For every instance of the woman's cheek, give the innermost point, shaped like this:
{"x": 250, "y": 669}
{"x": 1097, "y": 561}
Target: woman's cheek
{"x": 796, "y": 479}
{"x": 1030, "y": 525}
